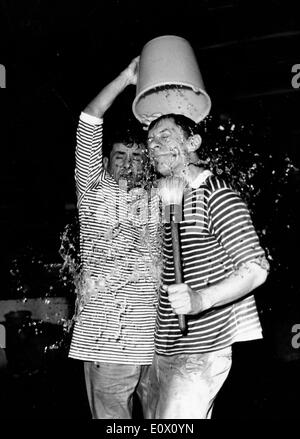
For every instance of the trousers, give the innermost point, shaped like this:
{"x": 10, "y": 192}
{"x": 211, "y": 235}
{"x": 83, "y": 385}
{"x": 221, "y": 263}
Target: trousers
{"x": 110, "y": 389}
{"x": 185, "y": 386}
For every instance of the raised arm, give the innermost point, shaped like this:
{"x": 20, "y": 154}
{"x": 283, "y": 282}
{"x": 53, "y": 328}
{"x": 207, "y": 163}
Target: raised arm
{"x": 98, "y": 106}
{"x": 89, "y": 167}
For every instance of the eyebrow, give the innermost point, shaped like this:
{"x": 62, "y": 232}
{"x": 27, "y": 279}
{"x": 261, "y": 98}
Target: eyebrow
{"x": 160, "y": 132}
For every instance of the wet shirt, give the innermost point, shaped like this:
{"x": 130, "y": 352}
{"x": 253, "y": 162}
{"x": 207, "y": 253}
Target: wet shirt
{"x": 217, "y": 236}
{"x": 117, "y": 292}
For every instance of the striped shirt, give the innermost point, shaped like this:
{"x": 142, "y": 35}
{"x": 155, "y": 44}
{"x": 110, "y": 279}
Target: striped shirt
{"x": 217, "y": 236}
{"x": 117, "y": 302}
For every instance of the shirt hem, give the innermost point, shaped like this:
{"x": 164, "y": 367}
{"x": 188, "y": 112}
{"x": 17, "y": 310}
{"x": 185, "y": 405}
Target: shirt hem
{"x": 239, "y": 338}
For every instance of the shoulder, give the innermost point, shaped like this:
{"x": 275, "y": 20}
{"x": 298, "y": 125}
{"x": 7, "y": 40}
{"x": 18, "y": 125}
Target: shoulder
{"x": 214, "y": 183}
{"x": 220, "y": 193}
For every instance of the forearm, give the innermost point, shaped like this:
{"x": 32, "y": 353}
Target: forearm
{"x": 240, "y": 283}
{"x": 98, "y": 106}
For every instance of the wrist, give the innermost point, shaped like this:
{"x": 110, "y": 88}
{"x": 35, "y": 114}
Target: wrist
{"x": 124, "y": 79}
{"x": 205, "y": 300}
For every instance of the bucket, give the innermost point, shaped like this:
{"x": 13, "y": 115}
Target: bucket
{"x": 169, "y": 81}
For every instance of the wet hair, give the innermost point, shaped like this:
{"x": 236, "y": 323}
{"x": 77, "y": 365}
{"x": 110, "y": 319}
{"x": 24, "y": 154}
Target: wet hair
{"x": 188, "y": 126}
{"x": 129, "y": 134}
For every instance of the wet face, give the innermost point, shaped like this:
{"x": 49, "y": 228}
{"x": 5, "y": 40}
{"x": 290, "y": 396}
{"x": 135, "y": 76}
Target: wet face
{"x": 126, "y": 162}
{"x": 168, "y": 147}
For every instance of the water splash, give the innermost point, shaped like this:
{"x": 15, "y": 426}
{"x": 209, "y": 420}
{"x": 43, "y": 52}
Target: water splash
{"x": 108, "y": 283}
{"x": 231, "y": 149}
{"x": 241, "y": 154}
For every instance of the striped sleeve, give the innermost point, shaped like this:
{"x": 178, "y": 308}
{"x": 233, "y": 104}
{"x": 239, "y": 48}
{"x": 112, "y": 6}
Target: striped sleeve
{"x": 89, "y": 167}
{"x": 231, "y": 223}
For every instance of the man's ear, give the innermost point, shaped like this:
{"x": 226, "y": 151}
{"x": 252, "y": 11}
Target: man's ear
{"x": 194, "y": 142}
{"x": 105, "y": 163}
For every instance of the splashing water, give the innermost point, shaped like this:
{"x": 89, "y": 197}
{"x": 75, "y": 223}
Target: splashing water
{"x": 148, "y": 263}
{"x": 230, "y": 149}
{"x": 237, "y": 153}
{"x": 70, "y": 271}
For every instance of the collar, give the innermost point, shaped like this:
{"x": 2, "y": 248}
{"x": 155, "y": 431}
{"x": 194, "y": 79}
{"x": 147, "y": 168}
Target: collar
{"x": 200, "y": 179}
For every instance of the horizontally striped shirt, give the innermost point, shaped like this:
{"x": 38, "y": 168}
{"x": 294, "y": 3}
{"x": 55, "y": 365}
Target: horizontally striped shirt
{"x": 118, "y": 290}
{"x": 217, "y": 236}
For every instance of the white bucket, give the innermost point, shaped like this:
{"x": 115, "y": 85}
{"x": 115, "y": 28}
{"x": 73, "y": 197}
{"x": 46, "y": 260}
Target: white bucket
{"x": 169, "y": 81}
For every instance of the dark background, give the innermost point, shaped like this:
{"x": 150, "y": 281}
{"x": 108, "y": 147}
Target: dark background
{"x": 59, "y": 54}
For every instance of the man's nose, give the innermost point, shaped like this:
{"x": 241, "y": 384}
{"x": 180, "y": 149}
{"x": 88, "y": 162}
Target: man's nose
{"x": 127, "y": 162}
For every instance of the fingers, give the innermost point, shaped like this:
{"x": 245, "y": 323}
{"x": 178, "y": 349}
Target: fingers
{"x": 175, "y": 288}
{"x": 180, "y": 303}
{"x": 134, "y": 63}
{"x": 182, "y": 299}
{"x": 132, "y": 70}
{"x": 147, "y": 118}
{"x": 181, "y": 309}
{"x": 178, "y": 297}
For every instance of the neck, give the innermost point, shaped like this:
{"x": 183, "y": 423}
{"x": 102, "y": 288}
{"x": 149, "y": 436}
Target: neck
{"x": 191, "y": 173}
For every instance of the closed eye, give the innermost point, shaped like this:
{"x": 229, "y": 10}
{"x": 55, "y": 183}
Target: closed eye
{"x": 120, "y": 155}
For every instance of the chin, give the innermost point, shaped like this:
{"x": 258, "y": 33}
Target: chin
{"x": 164, "y": 170}
{"x": 165, "y": 173}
